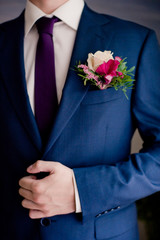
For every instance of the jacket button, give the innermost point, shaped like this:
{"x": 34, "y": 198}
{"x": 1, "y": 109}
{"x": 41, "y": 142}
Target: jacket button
{"x": 45, "y": 222}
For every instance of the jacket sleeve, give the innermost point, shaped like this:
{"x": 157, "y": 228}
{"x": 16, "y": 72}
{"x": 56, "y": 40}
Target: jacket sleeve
{"x": 107, "y": 187}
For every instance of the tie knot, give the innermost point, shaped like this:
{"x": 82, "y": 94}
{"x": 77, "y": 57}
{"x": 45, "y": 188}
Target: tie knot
{"x": 45, "y": 25}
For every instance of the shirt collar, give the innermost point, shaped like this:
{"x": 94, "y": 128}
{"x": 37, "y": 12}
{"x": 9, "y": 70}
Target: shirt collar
{"x": 70, "y": 13}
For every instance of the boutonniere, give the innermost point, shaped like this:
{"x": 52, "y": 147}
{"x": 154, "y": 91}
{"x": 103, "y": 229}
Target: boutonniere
{"x": 104, "y": 71}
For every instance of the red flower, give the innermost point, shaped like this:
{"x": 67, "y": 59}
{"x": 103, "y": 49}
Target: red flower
{"x": 108, "y": 70}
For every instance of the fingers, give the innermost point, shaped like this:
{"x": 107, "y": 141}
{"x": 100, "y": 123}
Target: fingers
{"x": 42, "y": 166}
{"x": 26, "y": 194}
{"x": 37, "y": 210}
{"x": 30, "y": 205}
{"x": 33, "y": 200}
{"x": 28, "y": 182}
{"x": 51, "y": 195}
{"x": 35, "y": 214}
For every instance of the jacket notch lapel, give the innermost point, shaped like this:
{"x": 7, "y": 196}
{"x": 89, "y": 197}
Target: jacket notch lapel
{"x": 89, "y": 39}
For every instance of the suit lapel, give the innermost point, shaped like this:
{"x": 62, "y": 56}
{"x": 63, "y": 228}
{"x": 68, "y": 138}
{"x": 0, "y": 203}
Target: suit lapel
{"x": 13, "y": 73}
{"x": 89, "y": 39}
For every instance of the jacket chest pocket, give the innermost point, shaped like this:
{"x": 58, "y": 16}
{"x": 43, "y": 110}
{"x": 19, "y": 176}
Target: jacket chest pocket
{"x": 102, "y": 96}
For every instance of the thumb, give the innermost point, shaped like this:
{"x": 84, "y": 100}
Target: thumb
{"x": 41, "y": 166}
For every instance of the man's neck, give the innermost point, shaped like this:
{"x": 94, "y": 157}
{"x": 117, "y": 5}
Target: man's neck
{"x": 48, "y": 6}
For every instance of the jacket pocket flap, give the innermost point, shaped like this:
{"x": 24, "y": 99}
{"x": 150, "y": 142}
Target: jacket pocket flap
{"x": 115, "y": 223}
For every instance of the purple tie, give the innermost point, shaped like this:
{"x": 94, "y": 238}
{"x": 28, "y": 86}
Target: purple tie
{"x": 46, "y": 103}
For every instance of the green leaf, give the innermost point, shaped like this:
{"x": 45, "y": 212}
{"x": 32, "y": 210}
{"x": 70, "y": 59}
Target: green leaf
{"x": 131, "y": 69}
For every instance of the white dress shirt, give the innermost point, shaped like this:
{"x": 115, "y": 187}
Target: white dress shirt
{"x": 64, "y": 33}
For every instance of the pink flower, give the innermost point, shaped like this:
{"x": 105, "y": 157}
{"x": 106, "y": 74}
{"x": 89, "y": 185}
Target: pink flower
{"x": 108, "y": 70}
{"x": 108, "y": 78}
{"x": 118, "y": 59}
{"x": 89, "y": 74}
{"x": 104, "y": 71}
{"x": 120, "y": 74}
{"x": 83, "y": 66}
{"x": 101, "y": 85}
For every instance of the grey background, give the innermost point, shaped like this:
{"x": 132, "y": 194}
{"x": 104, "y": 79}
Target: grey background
{"x": 145, "y": 12}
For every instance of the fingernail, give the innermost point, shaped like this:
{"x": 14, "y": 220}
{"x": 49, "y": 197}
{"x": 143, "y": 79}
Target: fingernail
{"x": 30, "y": 167}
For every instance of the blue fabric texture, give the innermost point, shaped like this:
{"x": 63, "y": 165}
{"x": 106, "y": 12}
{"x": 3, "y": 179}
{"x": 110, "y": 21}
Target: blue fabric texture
{"x": 91, "y": 134}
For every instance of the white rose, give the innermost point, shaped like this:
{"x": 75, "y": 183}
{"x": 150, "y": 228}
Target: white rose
{"x": 95, "y": 60}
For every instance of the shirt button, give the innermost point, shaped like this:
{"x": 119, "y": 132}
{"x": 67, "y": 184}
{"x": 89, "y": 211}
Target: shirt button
{"x": 45, "y": 222}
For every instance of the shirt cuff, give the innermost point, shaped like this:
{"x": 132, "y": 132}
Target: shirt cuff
{"x": 77, "y": 199}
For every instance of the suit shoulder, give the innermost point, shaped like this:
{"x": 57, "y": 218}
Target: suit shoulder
{"x": 119, "y": 25}
{"x": 127, "y": 25}
{"x": 11, "y": 23}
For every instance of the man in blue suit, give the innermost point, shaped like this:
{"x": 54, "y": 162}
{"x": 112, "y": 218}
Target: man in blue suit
{"x": 91, "y": 181}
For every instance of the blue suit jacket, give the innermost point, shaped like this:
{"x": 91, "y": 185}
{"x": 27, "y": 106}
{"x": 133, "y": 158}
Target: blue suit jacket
{"x": 91, "y": 134}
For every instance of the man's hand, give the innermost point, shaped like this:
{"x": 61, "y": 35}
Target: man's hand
{"x": 52, "y": 195}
